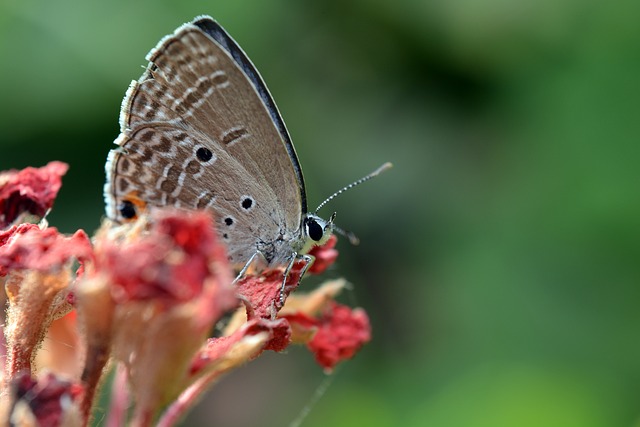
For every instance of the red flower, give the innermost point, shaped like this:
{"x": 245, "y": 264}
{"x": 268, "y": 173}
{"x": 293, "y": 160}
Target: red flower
{"x": 169, "y": 263}
{"x": 324, "y": 255}
{"x": 8, "y": 235}
{"x": 153, "y": 290}
{"x": 37, "y": 264}
{"x": 27, "y": 247}
{"x": 341, "y": 333}
{"x": 31, "y": 190}
{"x": 276, "y": 333}
{"x": 167, "y": 281}
{"x": 261, "y": 293}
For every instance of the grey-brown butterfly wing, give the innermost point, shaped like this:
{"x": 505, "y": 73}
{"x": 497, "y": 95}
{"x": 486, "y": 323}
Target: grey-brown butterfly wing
{"x": 200, "y": 130}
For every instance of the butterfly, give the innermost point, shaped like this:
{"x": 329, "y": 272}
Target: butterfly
{"x": 200, "y": 130}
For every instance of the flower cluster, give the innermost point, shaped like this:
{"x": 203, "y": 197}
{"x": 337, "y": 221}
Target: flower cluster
{"x": 141, "y": 300}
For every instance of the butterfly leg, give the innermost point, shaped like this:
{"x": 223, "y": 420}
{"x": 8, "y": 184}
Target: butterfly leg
{"x": 246, "y": 266}
{"x": 308, "y": 259}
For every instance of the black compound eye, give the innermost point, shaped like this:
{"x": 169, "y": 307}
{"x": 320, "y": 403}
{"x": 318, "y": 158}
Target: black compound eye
{"x": 127, "y": 209}
{"x": 314, "y": 230}
{"x": 204, "y": 154}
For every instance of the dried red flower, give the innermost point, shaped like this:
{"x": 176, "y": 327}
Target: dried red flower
{"x": 170, "y": 282}
{"x": 279, "y": 332}
{"x": 324, "y": 255}
{"x": 28, "y": 247}
{"x": 30, "y": 190}
{"x": 169, "y": 263}
{"x": 37, "y": 264}
{"x": 277, "y": 336}
{"x": 153, "y": 290}
{"x": 261, "y": 293}
{"x": 341, "y": 332}
{"x": 6, "y": 236}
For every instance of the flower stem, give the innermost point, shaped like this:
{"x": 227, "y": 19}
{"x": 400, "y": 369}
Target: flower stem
{"x": 119, "y": 398}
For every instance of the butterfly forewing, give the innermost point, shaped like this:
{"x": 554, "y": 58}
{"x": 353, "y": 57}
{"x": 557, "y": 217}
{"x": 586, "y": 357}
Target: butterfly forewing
{"x": 196, "y": 133}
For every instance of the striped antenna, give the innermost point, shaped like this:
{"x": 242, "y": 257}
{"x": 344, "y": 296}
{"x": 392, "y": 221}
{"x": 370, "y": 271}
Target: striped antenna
{"x": 375, "y": 173}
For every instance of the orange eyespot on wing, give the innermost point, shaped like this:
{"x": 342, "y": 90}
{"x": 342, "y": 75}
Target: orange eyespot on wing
{"x": 131, "y": 206}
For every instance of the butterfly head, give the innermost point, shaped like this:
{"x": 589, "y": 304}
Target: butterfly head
{"x": 316, "y": 230}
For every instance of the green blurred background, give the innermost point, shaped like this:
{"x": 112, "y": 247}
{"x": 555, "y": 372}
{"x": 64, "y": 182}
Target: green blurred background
{"x": 499, "y": 258}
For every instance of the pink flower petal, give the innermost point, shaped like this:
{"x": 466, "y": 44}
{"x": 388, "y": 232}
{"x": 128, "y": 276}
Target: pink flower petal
{"x": 218, "y": 348}
{"x": 30, "y": 190}
{"x": 28, "y": 247}
{"x": 7, "y": 236}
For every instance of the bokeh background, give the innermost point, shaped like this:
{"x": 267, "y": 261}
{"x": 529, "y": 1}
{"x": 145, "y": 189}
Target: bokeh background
{"x": 500, "y": 257}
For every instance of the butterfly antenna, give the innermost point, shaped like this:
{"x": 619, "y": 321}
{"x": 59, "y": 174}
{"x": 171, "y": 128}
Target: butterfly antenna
{"x": 375, "y": 173}
{"x": 353, "y": 239}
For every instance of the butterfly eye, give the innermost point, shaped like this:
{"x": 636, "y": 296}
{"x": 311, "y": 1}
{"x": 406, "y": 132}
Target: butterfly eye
{"x": 314, "y": 230}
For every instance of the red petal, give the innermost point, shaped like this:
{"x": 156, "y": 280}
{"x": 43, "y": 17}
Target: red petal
{"x": 261, "y": 294}
{"x": 301, "y": 319}
{"x": 280, "y": 337}
{"x": 7, "y": 235}
{"x": 26, "y": 246}
{"x": 341, "y": 333}
{"x": 171, "y": 263}
{"x": 31, "y": 190}
{"x": 193, "y": 233}
{"x": 279, "y": 330}
{"x": 325, "y": 256}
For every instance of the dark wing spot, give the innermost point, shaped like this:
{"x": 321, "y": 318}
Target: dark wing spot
{"x": 247, "y": 202}
{"x": 127, "y": 209}
{"x": 228, "y": 220}
{"x": 204, "y": 154}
